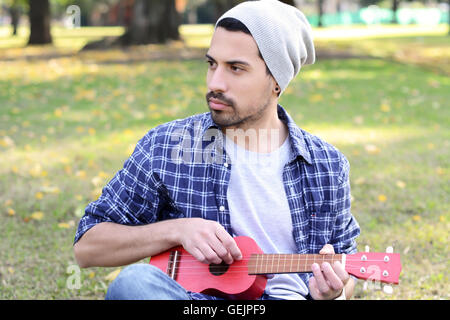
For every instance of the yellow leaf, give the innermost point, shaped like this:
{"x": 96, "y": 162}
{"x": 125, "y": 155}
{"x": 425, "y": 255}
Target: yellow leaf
{"x": 8, "y": 202}
{"x": 6, "y": 142}
{"x": 11, "y": 212}
{"x": 38, "y": 215}
{"x": 112, "y": 275}
{"x": 91, "y": 275}
{"x": 382, "y": 198}
{"x": 58, "y": 113}
{"x": 400, "y": 184}
{"x": 372, "y": 149}
{"x": 39, "y": 195}
{"x": 91, "y": 131}
{"x": 63, "y": 225}
{"x": 80, "y": 174}
{"x": 385, "y": 107}
{"x": 11, "y": 270}
{"x": 416, "y": 218}
{"x": 316, "y": 98}
{"x": 441, "y": 218}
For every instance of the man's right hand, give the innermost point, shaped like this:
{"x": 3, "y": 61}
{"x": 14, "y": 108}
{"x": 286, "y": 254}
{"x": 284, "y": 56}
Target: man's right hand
{"x": 207, "y": 241}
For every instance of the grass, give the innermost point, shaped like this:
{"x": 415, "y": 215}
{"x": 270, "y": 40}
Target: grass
{"x": 68, "y": 123}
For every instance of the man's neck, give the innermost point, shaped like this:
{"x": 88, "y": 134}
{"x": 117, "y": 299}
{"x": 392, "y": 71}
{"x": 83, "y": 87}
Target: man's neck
{"x": 265, "y": 135}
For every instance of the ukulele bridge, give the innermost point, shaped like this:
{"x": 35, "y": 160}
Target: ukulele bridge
{"x": 172, "y": 265}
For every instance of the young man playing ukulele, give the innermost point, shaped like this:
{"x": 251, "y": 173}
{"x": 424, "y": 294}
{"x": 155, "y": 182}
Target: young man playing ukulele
{"x": 195, "y": 182}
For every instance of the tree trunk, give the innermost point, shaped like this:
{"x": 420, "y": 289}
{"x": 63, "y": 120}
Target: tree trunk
{"x": 222, "y": 6}
{"x": 394, "y": 11}
{"x": 15, "y": 15}
{"x": 320, "y": 12}
{"x": 153, "y": 21}
{"x": 39, "y": 22}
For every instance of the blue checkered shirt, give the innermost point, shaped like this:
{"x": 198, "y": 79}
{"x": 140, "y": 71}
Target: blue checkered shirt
{"x": 181, "y": 169}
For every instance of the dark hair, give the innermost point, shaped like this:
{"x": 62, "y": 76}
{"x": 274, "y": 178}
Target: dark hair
{"x": 232, "y": 24}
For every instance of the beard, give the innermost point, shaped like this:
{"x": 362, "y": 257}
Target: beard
{"x": 235, "y": 118}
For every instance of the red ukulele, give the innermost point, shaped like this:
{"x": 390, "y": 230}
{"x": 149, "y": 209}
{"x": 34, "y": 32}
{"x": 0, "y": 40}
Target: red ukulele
{"x": 244, "y": 279}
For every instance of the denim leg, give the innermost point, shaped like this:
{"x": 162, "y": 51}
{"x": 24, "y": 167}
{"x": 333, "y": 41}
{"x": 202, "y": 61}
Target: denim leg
{"x": 145, "y": 282}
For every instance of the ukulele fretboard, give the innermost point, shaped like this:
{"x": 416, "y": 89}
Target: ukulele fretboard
{"x": 288, "y": 263}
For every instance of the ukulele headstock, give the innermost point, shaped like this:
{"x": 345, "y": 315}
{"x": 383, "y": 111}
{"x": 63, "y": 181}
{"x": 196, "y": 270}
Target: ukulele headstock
{"x": 375, "y": 266}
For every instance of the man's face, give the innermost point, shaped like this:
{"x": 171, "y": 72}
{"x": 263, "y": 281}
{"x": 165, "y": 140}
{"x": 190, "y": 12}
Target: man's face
{"x": 239, "y": 89}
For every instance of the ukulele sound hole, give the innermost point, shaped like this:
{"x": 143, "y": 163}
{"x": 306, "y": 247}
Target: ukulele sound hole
{"x": 218, "y": 269}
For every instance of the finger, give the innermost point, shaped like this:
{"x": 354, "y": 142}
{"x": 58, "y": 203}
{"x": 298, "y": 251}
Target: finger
{"x": 340, "y": 271}
{"x": 327, "y": 249}
{"x": 334, "y": 281}
{"x": 313, "y": 290}
{"x": 229, "y": 243}
{"x": 197, "y": 254}
{"x": 321, "y": 282}
{"x": 220, "y": 250}
{"x": 209, "y": 254}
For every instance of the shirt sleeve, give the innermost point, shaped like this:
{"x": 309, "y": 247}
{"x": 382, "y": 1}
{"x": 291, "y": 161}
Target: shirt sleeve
{"x": 130, "y": 198}
{"x": 346, "y": 229}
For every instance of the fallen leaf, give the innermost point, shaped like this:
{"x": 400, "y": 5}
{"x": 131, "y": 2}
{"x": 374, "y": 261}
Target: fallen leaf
{"x": 38, "y": 215}
{"x": 372, "y": 149}
{"x": 11, "y": 212}
{"x": 382, "y": 198}
{"x": 112, "y": 275}
{"x": 400, "y": 184}
{"x": 416, "y": 218}
{"x": 63, "y": 225}
{"x": 385, "y": 107}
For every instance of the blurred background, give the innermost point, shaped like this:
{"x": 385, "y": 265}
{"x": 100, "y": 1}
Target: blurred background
{"x": 82, "y": 81}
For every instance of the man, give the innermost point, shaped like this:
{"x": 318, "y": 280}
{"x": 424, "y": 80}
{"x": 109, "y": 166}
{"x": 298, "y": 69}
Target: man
{"x": 195, "y": 182}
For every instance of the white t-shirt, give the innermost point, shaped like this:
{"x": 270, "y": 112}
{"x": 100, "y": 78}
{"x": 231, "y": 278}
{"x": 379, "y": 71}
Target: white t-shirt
{"x": 259, "y": 209}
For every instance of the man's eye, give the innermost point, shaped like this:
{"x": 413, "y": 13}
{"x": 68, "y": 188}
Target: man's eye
{"x": 210, "y": 62}
{"x": 234, "y": 68}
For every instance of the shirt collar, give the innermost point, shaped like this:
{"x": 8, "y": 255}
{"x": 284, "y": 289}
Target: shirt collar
{"x": 295, "y": 133}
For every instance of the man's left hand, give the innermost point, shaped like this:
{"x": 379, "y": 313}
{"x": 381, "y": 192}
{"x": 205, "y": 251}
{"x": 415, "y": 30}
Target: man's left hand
{"x": 328, "y": 280}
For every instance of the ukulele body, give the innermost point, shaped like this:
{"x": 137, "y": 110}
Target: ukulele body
{"x": 227, "y": 281}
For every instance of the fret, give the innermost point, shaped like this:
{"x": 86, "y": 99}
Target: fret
{"x": 271, "y": 266}
{"x": 278, "y": 265}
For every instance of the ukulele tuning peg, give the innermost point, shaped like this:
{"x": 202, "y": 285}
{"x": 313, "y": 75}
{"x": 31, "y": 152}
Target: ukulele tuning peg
{"x": 366, "y": 248}
{"x": 390, "y": 249}
{"x": 388, "y": 289}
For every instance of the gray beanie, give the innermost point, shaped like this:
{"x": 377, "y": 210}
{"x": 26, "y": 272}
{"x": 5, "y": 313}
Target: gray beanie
{"x": 282, "y": 33}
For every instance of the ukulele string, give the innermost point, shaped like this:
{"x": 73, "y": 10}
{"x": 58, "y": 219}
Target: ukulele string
{"x": 315, "y": 259}
{"x": 242, "y": 269}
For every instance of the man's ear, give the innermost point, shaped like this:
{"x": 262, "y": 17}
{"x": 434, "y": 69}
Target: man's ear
{"x": 277, "y": 89}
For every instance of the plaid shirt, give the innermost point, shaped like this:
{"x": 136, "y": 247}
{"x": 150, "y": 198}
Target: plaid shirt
{"x": 180, "y": 169}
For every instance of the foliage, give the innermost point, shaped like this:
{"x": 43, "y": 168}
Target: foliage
{"x": 68, "y": 123}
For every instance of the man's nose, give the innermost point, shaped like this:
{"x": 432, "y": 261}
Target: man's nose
{"x": 216, "y": 80}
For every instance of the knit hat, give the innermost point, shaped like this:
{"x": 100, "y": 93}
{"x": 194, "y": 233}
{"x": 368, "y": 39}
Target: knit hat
{"x": 282, "y": 33}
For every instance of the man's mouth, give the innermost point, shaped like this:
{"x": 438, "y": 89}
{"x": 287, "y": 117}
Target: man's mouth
{"x": 216, "y": 104}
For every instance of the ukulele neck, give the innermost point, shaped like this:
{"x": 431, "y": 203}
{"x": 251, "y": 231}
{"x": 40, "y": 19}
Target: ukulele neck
{"x": 289, "y": 263}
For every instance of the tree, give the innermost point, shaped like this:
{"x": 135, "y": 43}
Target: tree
{"x": 154, "y": 21}
{"x": 39, "y": 14}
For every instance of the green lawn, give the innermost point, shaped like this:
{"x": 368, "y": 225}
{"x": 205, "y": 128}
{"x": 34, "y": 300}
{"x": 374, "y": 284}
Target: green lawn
{"x": 67, "y": 125}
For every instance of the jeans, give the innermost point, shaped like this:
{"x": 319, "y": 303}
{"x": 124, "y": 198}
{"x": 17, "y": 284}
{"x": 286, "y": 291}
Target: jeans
{"x": 145, "y": 282}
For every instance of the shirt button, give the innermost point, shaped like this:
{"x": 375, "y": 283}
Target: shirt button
{"x": 226, "y": 165}
{"x": 221, "y": 208}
